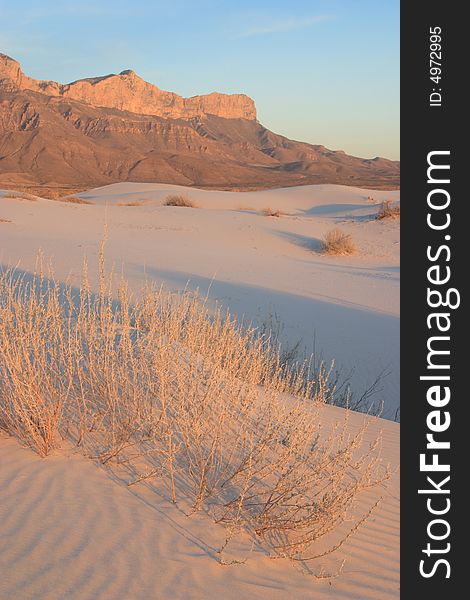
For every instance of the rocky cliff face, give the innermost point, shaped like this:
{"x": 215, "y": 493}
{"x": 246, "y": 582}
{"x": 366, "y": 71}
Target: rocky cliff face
{"x": 127, "y": 91}
{"x": 120, "y": 128}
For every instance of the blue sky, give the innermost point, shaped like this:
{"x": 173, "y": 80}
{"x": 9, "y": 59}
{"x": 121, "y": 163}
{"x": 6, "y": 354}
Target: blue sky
{"x": 321, "y": 71}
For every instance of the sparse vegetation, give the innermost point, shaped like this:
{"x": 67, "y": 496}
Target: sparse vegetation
{"x": 338, "y": 242}
{"x": 74, "y": 200}
{"x": 388, "y": 210}
{"x": 2, "y": 220}
{"x": 270, "y": 212}
{"x": 51, "y": 195}
{"x": 131, "y": 203}
{"x": 179, "y": 200}
{"x": 43, "y": 191}
{"x": 20, "y": 196}
{"x": 185, "y": 397}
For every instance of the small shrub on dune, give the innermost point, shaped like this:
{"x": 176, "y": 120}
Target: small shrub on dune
{"x": 74, "y": 200}
{"x": 338, "y": 242}
{"x": 179, "y": 200}
{"x": 61, "y": 194}
{"x": 388, "y": 210}
{"x": 21, "y": 196}
{"x": 271, "y": 212}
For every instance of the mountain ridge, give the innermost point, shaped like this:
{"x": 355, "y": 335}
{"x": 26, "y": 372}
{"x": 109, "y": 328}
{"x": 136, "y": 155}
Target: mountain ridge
{"x": 127, "y": 91}
{"x": 52, "y": 137}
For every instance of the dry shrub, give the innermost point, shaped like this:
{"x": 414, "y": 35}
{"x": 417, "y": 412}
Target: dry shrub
{"x": 21, "y": 196}
{"x": 183, "y": 396}
{"x": 388, "y": 210}
{"x": 339, "y": 242}
{"x": 131, "y": 203}
{"x": 179, "y": 200}
{"x": 56, "y": 193}
{"x": 34, "y": 373}
{"x": 73, "y": 200}
{"x": 270, "y": 212}
{"x": 47, "y": 193}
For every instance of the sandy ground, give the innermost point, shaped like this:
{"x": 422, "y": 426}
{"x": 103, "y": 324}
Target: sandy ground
{"x": 73, "y": 530}
{"x": 265, "y": 268}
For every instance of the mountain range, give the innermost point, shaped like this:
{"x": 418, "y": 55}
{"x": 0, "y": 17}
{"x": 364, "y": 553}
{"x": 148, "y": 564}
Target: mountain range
{"x": 101, "y": 130}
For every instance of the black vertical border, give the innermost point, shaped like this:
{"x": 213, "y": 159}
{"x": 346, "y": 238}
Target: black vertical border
{"x": 424, "y": 129}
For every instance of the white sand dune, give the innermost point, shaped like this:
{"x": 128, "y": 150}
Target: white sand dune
{"x": 344, "y": 308}
{"x": 71, "y": 530}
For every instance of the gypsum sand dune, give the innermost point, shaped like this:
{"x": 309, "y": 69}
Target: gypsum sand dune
{"x": 266, "y": 268}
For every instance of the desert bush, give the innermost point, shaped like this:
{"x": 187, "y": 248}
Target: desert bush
{"x": 73, "y": 200}
{"x": 179, "y": 200}
{"x": 270, "y": 212}
{"x": 388, "y": 210}
{"x": 32, "y": 396}
{"x": 20, "y": 196}
{"x": 183, "y": 395}
{"x": 337, "y": 241}
{"x": 57, "y": 193}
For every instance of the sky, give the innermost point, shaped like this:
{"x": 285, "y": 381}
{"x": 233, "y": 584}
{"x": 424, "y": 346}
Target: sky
{"x": 320, "y": 71}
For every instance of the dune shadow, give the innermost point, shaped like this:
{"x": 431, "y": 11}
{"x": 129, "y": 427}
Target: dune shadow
{"x": 357, "y": 218}
{"x": 330, "y": 209}
{"x": 350, "y": 333}
{"x": 308, "y": 243}
{"x": 24, "y": 282}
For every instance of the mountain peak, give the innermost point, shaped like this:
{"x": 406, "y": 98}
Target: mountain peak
{"x": 127, "y": 91}
{"x": 7, "y": 59}
{"x": 9, "y": 67}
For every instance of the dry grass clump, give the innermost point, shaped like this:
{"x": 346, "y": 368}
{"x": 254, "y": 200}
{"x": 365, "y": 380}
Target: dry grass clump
{"x": 185, "y": 397}
{"x": 388, "y": 210}
{"x": 74, "y": 200}
{"x": 179, "y": 200}
{"x": 338, "y": 242}
{"x": 270, "y": 212}
{"x": 48, "y": 193}
{"x": 131, "y": 203}
{"x": 20, "y": 196}
{"x": 57, "y": 193}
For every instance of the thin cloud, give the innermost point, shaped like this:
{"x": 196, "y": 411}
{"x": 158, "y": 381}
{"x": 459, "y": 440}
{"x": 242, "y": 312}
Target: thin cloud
{"x": 283, "y": 25}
